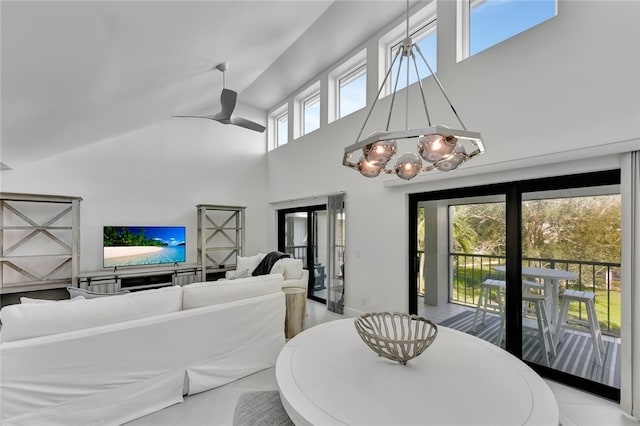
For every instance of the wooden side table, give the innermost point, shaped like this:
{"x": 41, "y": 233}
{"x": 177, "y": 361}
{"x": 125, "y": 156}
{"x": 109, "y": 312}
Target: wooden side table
{"x": 296, "y": 301}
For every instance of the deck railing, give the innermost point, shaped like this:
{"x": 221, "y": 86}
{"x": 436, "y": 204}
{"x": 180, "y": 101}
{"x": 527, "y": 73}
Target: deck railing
{"x": 300, "y": 252}
{"x": 297, "y": 252}
{"x": 601, "y": 278}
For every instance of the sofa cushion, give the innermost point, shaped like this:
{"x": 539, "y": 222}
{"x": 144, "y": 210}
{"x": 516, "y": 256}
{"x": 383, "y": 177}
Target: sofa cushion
{"x": 292, "y": 268}
{"x": 33, "y": 300}
{"x": 277, "y": 268}
{"x": 233, "y": 275}
{"x": 209, "y": 293}
{"x": 26, "y": 320}
{"x": 249, "y": 263}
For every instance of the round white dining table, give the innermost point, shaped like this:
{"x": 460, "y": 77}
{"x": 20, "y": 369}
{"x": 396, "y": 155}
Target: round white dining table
{"x": 328, "y": 376}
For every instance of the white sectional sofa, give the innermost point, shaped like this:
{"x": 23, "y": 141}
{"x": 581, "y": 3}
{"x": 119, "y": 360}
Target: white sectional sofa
{"x": 291, "y": 269}
{"x": 111, "y": 360}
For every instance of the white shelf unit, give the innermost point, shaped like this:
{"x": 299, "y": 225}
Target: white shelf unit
{"x": 221, "y": 233}
{"x": 39, "y": 241}
{"x": 114, "y": 280}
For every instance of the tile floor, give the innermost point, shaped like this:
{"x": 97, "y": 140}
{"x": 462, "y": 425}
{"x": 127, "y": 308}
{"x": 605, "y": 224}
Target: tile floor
{"x": 216, "y": 407}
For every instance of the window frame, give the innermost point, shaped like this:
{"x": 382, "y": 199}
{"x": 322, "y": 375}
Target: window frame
{"x": 463, "y": 25}
{"x": 344, "y": 79}
{"x": 425, "y": 22}
{"x": 339, "y": 72}
{"x": 279, "y": 119}
{"x": 276, "y": 116}
{"x": 299, "y": 100}
{"x": 306, "y": 103}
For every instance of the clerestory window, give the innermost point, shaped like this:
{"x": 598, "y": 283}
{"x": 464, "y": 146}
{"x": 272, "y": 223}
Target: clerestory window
{"x": 485, "y": 23}
{"x": 426, "y": 38}
{"x": 352, "y": 90}
{"x": 423, "y": 33}
{"x": 311, "y": 113}
{"x": 282, "y": 129}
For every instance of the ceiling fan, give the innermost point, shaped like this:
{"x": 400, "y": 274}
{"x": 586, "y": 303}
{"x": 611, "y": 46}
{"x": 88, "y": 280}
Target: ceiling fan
{"x": 228, "y": 100}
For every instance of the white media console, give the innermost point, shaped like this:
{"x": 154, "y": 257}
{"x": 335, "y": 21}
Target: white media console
{"x": 116, "y": 279}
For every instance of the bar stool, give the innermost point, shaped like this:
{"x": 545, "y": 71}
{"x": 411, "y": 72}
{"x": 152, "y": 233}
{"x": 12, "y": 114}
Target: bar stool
{"x": 591, "y": 323}
{"x": 533, "y": 305}
{"x": 485, "y": 304}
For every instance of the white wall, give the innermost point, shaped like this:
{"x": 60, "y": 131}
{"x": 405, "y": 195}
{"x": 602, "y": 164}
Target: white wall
{"x": 156, "y": 176}
{"x": 543, "y": 96}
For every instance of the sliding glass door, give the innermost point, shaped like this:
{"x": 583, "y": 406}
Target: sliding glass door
{"x": 532, "y": 266}
{"x": 471, "y": 231}
{"x": 302, "y": 233}
{"x": 571, "y": 274}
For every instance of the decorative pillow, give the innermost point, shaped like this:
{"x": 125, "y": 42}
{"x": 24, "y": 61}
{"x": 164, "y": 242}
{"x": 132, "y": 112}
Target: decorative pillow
{"x": 239, "y": 274}
{"x": 31, "y": 300}
{"x": 292, "y": 268}
{"x": 277, "y": 268}
{"x": 248, "y": 263}
{"x": 75, "y": 291}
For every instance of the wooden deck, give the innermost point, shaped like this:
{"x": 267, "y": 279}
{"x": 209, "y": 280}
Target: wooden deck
{"x": 574, "y": 355}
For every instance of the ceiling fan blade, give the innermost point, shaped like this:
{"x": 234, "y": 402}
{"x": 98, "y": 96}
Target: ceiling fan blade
{"x": 194, "y": 116}
{"x": 247, "y": 124}
{"x": 228, "y": 101}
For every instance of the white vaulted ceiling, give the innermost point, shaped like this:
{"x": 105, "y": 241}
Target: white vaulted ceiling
{"x": 78, "y": 72}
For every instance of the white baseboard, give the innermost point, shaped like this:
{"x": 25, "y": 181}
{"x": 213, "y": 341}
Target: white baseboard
{"x": 351, "y": 312}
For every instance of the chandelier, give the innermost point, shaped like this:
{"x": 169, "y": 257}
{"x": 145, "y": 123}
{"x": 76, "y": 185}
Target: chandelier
{"x": 438, "y": 146}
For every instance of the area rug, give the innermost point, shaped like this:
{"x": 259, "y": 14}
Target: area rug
{"x": 262, "y": 408}
{"x": 574, "y": 355}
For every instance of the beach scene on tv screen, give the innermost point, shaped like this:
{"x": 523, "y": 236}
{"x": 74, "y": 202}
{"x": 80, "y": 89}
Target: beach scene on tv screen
{"x": 138, "y": 245}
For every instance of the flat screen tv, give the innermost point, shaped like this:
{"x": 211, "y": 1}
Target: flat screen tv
{"x": 143, "y": 245}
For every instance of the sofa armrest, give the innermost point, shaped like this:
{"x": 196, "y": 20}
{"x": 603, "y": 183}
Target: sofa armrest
{"x": 301, "y": 282}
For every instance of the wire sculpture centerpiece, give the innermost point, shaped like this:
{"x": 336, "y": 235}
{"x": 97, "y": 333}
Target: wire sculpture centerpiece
{"x": 396, "y": 336}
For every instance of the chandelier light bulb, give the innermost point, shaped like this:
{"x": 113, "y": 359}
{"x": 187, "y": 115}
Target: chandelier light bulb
{"x": 380, "y": 152}
{"x": 450, "y": 162}
{"x": 408, "y": 166}
{"x": 368, "y": 169}
{"x": 434, "y": 147}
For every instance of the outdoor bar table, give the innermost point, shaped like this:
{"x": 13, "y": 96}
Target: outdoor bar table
{"x": 551, "y": 278}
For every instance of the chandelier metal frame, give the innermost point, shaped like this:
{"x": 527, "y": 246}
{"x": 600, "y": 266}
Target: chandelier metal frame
{"x": 440, "y": 147}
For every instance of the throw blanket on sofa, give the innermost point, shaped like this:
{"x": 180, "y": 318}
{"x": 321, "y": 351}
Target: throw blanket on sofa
{"x": 265, "y": 265}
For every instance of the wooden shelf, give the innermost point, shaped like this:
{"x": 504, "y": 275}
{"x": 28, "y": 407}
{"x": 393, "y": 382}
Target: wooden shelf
{"x": 38, "y": 198}
{"x": 220, "y": 229}
{"x": 33, "y": 256}
{"x": 25, "y": 216}
{"x": 221, "y": 236}
{"x": 18, "y": 287}
{"x": 36, "y": 228}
